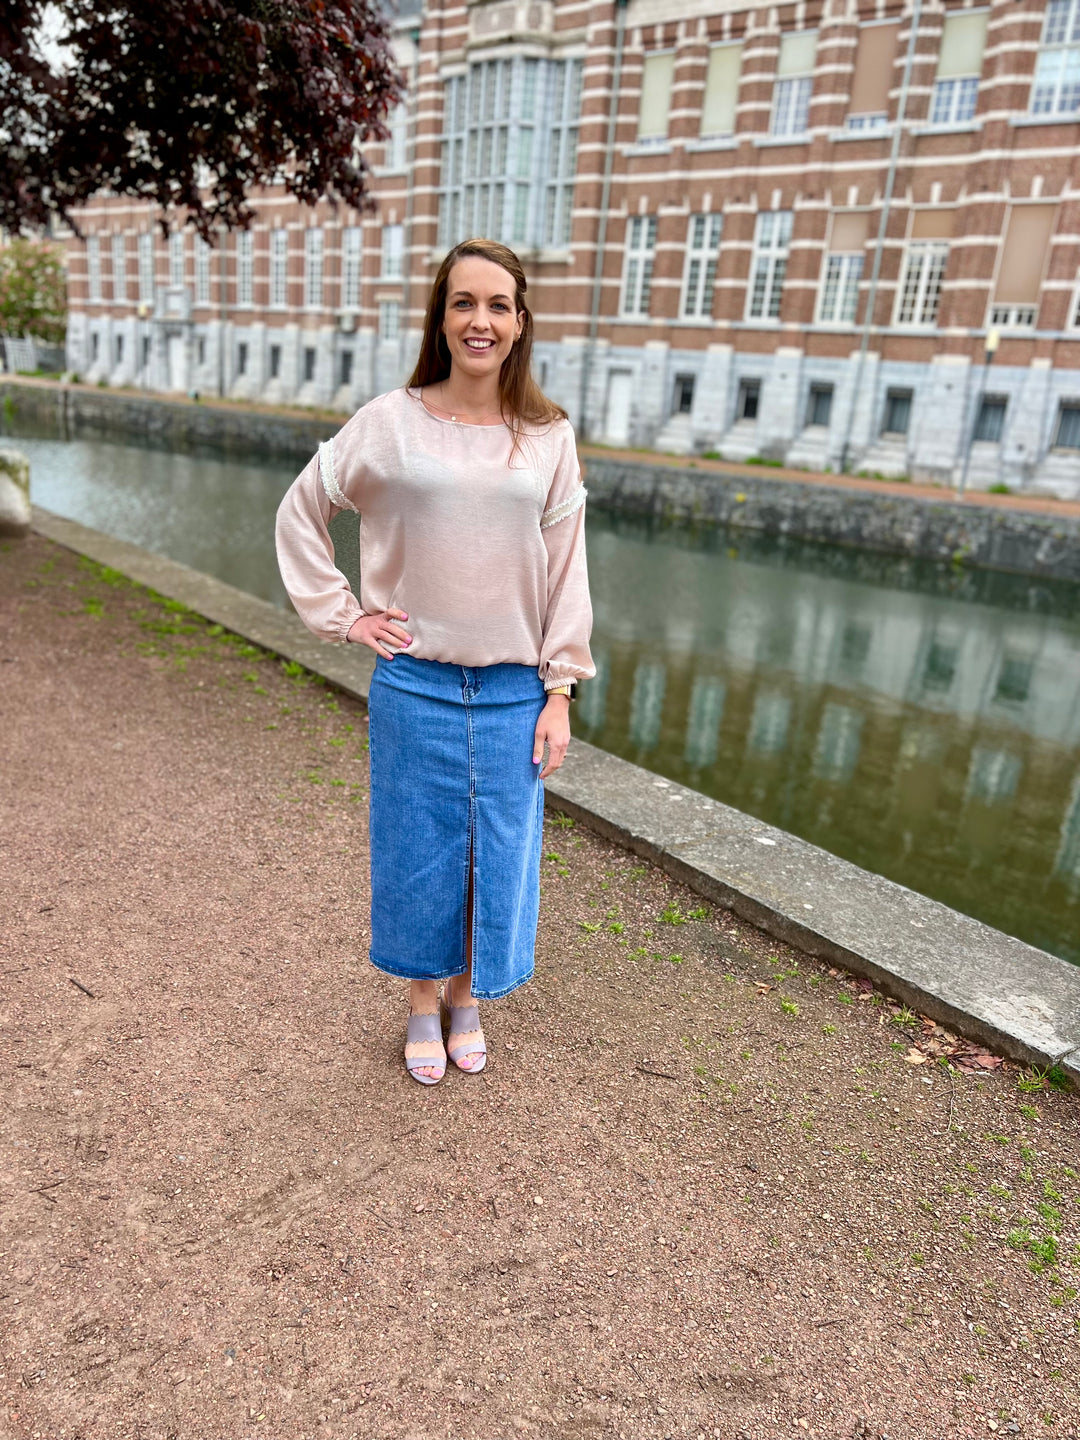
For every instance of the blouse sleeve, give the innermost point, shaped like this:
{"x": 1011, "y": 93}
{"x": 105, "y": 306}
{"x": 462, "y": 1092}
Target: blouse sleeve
{"x": 317, "y": 588}
{"x": 564, "y": 650}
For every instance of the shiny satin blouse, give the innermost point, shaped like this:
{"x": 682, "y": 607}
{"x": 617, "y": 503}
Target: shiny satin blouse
{"x": 486, "y": 554}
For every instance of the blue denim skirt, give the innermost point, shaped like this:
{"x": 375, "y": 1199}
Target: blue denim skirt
{"x": 452, "y": 784}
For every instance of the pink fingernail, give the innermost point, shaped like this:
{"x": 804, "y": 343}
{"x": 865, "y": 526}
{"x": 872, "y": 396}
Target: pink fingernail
{"x": 404, "y": 617}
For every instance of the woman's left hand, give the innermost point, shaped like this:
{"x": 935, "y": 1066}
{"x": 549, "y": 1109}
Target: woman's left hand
{"x": 553, "y": 727}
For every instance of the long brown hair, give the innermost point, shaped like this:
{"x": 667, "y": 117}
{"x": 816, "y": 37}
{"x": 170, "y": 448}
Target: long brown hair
{"x": 521, "y": 401}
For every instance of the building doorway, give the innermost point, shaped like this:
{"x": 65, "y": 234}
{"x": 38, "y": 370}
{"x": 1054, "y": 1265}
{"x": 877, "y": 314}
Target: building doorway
{"x": 620, "y": 397}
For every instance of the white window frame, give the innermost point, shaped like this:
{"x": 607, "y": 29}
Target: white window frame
{"x": 638, "y": 264}
{"x": 352, "y": 254}
{"x": 245, "y": 269}
{"x": 279, "y": 269}
{"x": 838, "y": 297}
{"x": 562, "y": 158}
{"x": 768, "y": 264}
{"x": 1014, "y": 317}
{"x": 118, "y": 248}
{"x": 392, "y": 252}
{"x": 396, "y": 148}
{"x": 144, "y": 248}
{"x": 176, "y": 259}
{"x": 1055, "y": 88}
{"x": 93, "y": 269}
{"x": 389, "y": 321}
{"x": 954, "y": 100}
{"x": 791, "y": 105}
{"x": 662, "y": 63}
{"x": 314, "y": 249}
{"x": 918, "y": 295}
{"x": 699, "y": 273}
{"x": 203, "y": 254}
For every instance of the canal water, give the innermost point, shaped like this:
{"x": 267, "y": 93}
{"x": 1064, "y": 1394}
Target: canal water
{"x": 919, "y": 720}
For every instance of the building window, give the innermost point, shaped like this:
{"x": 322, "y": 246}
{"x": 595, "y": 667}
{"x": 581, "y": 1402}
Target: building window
{"x": 1068, "y": 428}
{"x": 562, "y": 164}
{"x": 313, "y": 267}
{"x": 656, "y": 77}
{"x": 145, "y": 252}
{"x": 119, "y": 268}
{"x": 309, "y": 363}
{"x": 637, "y": 275}
{"x": 1056, "y": 90}
{"x": 1014, "y": 317}
{"x": 920, "y": 288}
{"x": 746, "y": 405}
{"x": 275, "y": 361}
{"x": 772, "y": 236}
{"x": 990, "y": 422}
{"x": 351, "y": 250}
{"x": 346, "y": 367}
{"x": 960, "y": 60}
{"x": 245, "y": 248}
{"x": 721, "y": 90}
{"x": 702, "y": 253}
{"x": 93, "y": 267}
{"x": 868, "y": 108}
{"x": 200, "y": 350}
{"x": 819, "y": 410}
{"x": 395, "y": 152}
{"x": 95, "y": 345}
{"x": 794, "y": 83}
{"x": 145, "y": 351}
{"x": 499, "y": 149}
{"x": 1023, "y": 262}
{"x": 389, "y": 319}
{"x": 1014, "y": 679}
{"x": 840, "y": 292}
{"x": 940, "y": 668}
{"x": 683, "y": 402}
{"x": 897, "y": 412}
{"x": 176, "y": 258}
{"x": 241, "y": 358}
{"x": 203, "y": 252}
{"x": 279, "y": 268}
{"x": 119, "y": 349}
{"x": 393, "y": 250}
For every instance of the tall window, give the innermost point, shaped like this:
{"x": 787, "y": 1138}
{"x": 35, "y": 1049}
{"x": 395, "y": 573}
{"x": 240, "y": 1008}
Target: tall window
{"x": 279, "y": 268}
{"x": 772, "y": 237}
{"x": 119, "y": 268}
{"x": 394, "y": 155}
{"x": 93, "y": 266}
{"x": 1056, "y": 90}
{"x": 350, "y": 267}
{"x": 203, "y": 252}
{"x": 920, "y": 289}
{"x": 1068, "y": 427}
{"x": 176, "y": 258}
{"x": 562, "y": 155}
{"x": 245, "y": 248}
{"x": 389, "y": 319}
{"x": 656, "y": 77}
{"x": 640, "y": 253}
{"x": 499, "y": 150}
{"x": 868, "y": 108}
{"x": 313, "y": 267}
{"x": 393, "y": 252}
{"x": 721, "y": 90}
{"x": 794, "y": 83}
{"x": 956, "y": 85}
{"x": 145, "y": 247}
{"x": 1023, "y": 262}
{"x": 990, "y": 421}
{"x": 843, "y": 269}
{"x": 702, "y": 252}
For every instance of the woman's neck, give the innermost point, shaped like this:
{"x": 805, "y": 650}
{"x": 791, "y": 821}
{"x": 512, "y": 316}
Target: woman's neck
{"x": 464, "y": 396}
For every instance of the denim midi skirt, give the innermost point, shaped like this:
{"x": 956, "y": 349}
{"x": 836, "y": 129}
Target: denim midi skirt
{"x": 453, "y": 784}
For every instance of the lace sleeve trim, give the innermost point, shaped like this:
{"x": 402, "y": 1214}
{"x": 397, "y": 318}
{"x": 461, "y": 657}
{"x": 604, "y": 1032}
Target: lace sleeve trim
{"x": 328, "y": 476}
{"x": 565, "y": 510}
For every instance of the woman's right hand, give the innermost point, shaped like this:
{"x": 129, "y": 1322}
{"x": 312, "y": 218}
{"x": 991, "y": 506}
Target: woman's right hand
{"x": 378, "y": 631}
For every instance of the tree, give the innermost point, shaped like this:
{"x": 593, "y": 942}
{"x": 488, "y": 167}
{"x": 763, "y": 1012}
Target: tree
{"x": 33, "y": 292}
{"x": 188, "y": 103}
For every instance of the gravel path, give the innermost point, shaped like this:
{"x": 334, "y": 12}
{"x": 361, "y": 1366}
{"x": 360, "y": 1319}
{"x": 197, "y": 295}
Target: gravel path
{"x": 705, "y": 1188}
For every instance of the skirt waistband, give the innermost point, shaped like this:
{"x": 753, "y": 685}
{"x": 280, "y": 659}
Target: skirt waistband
{"x": 500, "y": 684}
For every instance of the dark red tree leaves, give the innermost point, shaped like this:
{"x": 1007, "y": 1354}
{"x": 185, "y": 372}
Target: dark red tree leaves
{"x": 190, "y": 104}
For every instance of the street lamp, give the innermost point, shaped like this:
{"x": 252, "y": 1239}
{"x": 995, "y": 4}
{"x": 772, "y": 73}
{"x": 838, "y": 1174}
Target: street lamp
{"x": 993, "y": 340}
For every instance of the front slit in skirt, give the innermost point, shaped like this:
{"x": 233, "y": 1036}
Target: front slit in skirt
{"x": 453, "y": 779}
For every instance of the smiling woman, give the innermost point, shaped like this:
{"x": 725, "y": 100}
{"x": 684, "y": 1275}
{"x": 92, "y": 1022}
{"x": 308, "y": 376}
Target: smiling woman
{"x": 472, "y": 535}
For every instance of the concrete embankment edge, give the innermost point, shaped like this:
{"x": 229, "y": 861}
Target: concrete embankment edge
{"x": 991, "y": 988}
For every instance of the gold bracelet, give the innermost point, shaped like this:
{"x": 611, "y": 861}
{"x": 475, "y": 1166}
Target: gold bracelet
{"x": 560, "y": 690}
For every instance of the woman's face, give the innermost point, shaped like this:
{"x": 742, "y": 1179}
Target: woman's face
{"x": 481, "y": 321}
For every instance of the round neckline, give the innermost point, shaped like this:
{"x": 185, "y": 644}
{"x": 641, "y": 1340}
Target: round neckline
{"x": 417, "y": 395}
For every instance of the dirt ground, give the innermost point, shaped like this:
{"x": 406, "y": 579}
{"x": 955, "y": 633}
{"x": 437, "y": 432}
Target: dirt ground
{"x": 704, "y": 1188}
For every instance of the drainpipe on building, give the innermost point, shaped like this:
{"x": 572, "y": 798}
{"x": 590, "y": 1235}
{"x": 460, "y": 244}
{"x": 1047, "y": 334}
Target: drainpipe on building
{"x": 883, "y": 225}
{"x": 601, "y": 232}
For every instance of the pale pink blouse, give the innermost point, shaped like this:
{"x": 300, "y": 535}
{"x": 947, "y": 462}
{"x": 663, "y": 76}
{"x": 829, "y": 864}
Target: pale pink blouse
{"x": 486, "y": 554}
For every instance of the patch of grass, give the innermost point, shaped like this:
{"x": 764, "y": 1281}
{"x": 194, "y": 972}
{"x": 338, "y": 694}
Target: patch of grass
{"x": 93, "y": 606}
{"x": 672, "y": 914}
{"x": 789, "y": 1007}
{"x": 828, "y": 1029}
{"x": 561, "y": 821}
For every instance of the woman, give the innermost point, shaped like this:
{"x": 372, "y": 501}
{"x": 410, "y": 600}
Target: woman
{"x": 474, "y": 597}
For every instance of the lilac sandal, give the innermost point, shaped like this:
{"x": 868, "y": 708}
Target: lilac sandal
{"x": 424, "y": 1027}
{"x": 463, "y": 1018}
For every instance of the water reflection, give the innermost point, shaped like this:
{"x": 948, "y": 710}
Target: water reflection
{"x": 919, "y": 720}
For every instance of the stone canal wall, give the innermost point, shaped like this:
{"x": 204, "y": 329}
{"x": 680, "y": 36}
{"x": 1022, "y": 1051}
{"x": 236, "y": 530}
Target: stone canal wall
{"x": 1035, "y": 543}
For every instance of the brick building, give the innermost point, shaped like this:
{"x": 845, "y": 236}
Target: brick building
{"x": 792, "y": 232}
